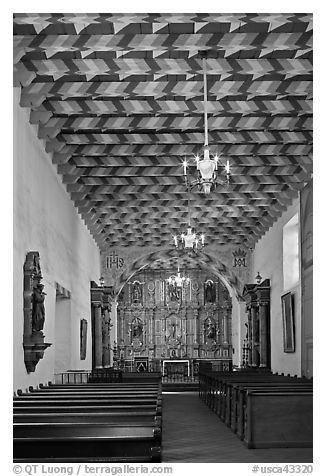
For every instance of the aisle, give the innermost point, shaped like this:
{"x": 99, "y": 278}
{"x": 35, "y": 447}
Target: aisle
{"x": 193, "y": 433}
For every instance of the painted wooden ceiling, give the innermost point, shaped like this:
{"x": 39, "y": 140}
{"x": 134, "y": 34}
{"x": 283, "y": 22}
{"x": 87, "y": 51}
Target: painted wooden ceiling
{"x": 118, "y": 100}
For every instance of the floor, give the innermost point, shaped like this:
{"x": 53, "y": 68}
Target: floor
{"x": 192, "y": 433}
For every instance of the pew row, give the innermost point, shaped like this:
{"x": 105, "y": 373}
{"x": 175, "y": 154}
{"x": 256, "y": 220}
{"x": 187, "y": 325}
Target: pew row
{"x": 87, "y": 423}
{"x": 132, "y": 418}
{"x": 229, "y": 395}
{"x": 278, "y": 419}
{"x": 92, "y": 442}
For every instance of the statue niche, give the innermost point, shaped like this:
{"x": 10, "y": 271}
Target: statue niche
{"x": 174, "y": 292}
{"x": 137, "y": 328}
{"x": 136, "y": 292}
{"x": 34, "y": 312}
{"x": 137, "y": 334}
{"x": 210, "y": 291}
{"x": 173, "y": 336}
{"x": 210, "y": 329}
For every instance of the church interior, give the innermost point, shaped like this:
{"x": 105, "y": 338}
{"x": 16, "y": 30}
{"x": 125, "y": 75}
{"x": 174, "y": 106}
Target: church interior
{"x": 163, "y": 237}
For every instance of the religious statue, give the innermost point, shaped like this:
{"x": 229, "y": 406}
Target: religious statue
{"x": 173, "y": 330}
{"x": 38, "y": 310}
{"x": 210, "y": 328}
{"x": 210, "y": 292}
{"x": 137, "y": 328}
{"x": 136, "y": 292}
{"x": 174, "y": 292}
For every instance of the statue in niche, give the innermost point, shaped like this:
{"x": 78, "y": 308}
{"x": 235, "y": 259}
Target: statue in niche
{"x": 173, "y": 330}
{"x": 174, "y": 293}
{"x": 210, "y": 291}
{"x": 136, "y": 295}
{"x": 38, "y": 310}
{"x": 137, "y": 328}
{"x": 210, "y": 328}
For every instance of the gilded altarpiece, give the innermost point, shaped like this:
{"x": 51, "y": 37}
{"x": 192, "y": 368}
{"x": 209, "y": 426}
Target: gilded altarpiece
{"x": 158, "y": 322}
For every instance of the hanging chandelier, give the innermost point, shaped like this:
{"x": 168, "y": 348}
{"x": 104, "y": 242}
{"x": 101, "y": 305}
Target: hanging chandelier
{"x": 189, "y": 240}
{"x": 178, "y": 280}
{"x": 210, "y": 171}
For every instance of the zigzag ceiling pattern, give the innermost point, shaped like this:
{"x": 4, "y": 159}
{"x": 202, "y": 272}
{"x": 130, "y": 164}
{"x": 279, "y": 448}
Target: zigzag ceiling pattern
{"x": 118, "y": 101}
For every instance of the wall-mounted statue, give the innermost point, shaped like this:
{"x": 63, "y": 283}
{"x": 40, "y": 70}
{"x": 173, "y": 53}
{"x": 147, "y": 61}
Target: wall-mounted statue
{"x": 210, "y": 291}
{"x": 34, "y": 312}
{"x": 38, "y": 310}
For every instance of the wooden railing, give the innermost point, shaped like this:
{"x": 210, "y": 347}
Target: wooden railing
{"x": 88, "y": 376}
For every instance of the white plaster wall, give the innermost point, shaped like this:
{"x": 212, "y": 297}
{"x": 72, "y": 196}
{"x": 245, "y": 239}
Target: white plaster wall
{"x": 62, "y": 330}
{"x": 268, "y": 260}
{"x": 238, "y": 329}
{"x": 45, "y": 220}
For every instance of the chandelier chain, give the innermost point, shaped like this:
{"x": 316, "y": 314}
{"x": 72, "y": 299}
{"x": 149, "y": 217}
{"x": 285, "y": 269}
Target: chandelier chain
{"x": 205, "y": 102}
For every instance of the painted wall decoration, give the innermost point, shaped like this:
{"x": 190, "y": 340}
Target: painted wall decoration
{"x": 239, "y": 258}
{"x": 113, "y": 260}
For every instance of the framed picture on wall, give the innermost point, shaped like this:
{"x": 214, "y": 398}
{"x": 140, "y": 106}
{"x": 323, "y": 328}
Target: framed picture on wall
{"x": 288, "y": 322}
{"x": 83, "y": 338}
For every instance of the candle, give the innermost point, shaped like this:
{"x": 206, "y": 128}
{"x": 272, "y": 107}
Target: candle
{"x": 175, "y": 240}
{"x": 184, "y": 167}
{"x": 202, "y": 239}
{"x": 227, "y": 167}
{"x": 216, "y": 161}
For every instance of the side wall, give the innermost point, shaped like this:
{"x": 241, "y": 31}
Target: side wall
{"x": 307, "y": 279}
{"x": 268, "y": 260}
{"x": 46, "y": 221}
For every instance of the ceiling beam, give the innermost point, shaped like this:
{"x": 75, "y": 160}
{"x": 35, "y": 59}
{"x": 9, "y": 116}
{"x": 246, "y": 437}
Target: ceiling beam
{"x": 152, "y": 106}
{"x": 179, "y": 150}
{"x": 51, "y": 45}
{"x": 181, "y": 123}
{"x": 89, "y": 162}
{"x": 36, "y": 93}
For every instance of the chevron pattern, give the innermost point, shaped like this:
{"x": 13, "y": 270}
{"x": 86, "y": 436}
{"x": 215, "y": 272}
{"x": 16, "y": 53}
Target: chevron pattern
{"x": 118, "y": 101}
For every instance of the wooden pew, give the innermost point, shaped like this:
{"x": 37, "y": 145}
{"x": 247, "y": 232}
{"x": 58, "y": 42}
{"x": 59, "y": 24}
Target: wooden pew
{"x": 223, "y": 398}
{"x": 83, "y": 399}
{"x": 90, "y": 408}
{"x": 91, "y": 442}
{"x": 229, "y": 395}
{"x": 132, "y": 418}
{"x": 120, "y": 386}
{"x": 278, "y": 419}
{"x": 86, "y": 392}
{"x": 109, "y": 424}
{"x": 239, "y": 399}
